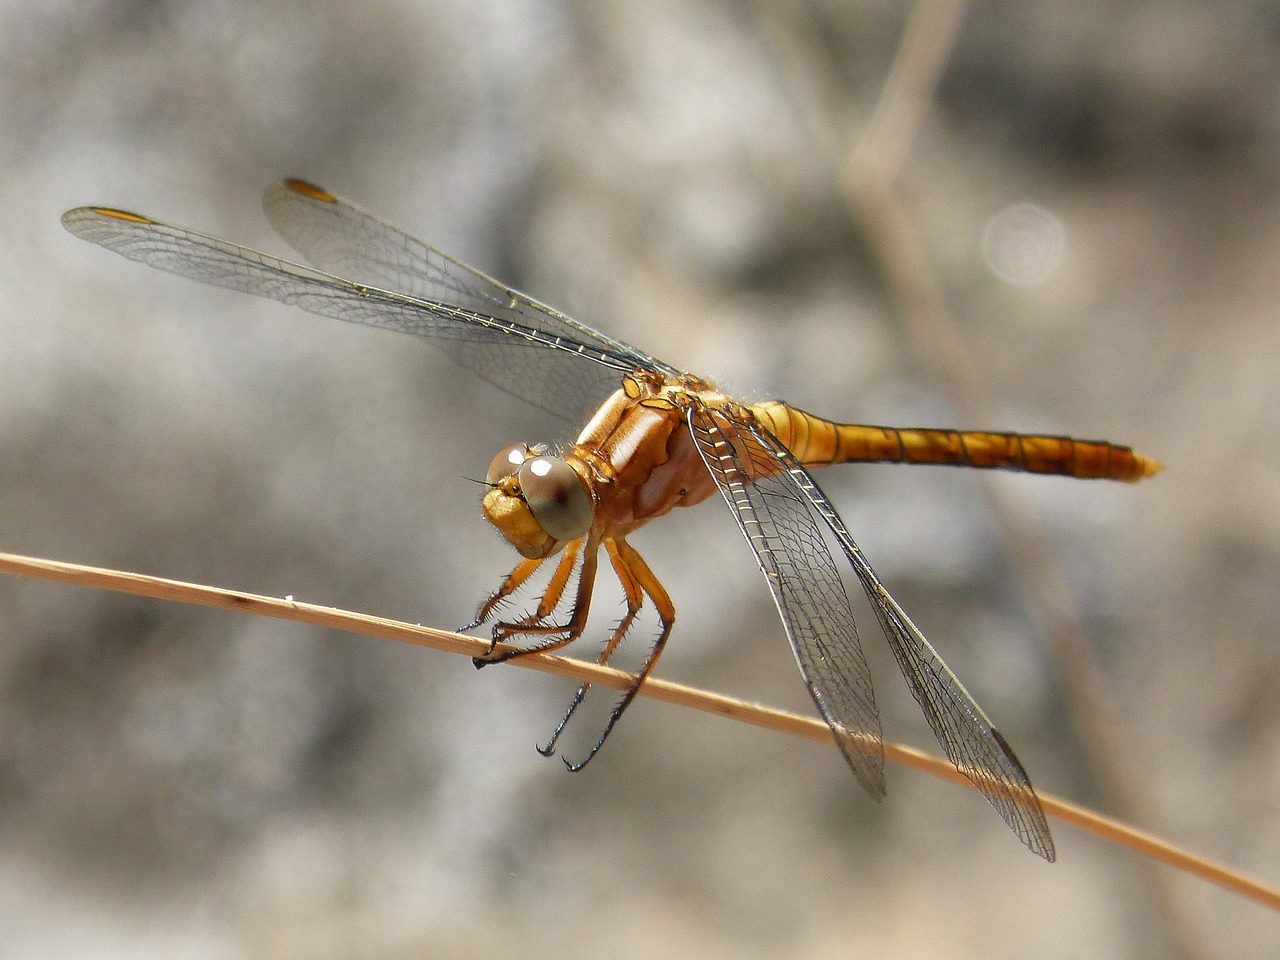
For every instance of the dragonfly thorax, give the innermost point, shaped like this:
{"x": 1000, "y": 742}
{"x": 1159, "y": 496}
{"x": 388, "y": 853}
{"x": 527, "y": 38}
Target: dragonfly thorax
{"x": 537, "y": 501}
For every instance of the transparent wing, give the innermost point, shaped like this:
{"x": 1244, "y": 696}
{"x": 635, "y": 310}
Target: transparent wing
{"x": 966, "y": 735}
{"x": 545, "y": 364}
{"x": 338, "y": 237}
{"x": 777, "y": 520}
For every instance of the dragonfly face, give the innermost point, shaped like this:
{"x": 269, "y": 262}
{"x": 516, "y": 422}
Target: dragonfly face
{"x": 538, "y": 502}
{"x": 660, "y": 438}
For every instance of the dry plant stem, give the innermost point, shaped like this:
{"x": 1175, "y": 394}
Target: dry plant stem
{"x": 908, "y": 90}
{"x": 869, "y": 184}
{"x": 691, "y": 697}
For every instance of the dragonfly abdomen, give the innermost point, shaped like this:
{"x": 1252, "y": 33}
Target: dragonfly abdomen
{"x": 818, "y": 442}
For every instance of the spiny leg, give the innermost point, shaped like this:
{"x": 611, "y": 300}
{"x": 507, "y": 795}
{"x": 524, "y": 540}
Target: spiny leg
{"x": 555, "y": 589}
{"x": 649, "y": 584}
{"x": 555, "y": 635}
{"x": 635, "y": 599}
{"x": 514, "y": 581}
{"x": 639, "y": 572}
{"x": 634, "y": 594}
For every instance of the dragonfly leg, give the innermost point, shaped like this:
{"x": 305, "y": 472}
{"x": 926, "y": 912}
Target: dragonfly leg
{"x": 555, "y": 589}
{"x": 635, "y": 600}
{"x": 637, "y": 581}
{"x": 515, "y": 580}
{"x": 634, "y": 595}
{"x": 555, "y": 635}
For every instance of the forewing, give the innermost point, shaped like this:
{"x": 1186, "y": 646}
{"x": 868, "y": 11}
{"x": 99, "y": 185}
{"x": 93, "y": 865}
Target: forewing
{"x": 540, "y": 365}
{"x": 778, "y": 521}
{"x": 966, "y": 735}
{"x": 340, "y": 238}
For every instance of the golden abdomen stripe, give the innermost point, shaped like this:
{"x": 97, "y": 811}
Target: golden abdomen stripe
{"x": 819, "y": 442}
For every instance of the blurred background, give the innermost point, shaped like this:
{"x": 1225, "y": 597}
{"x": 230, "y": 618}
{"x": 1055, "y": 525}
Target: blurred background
{"x": 1095, "y": 185}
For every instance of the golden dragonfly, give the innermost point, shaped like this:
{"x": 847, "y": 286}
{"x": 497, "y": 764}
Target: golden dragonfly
{"x": 660, "y": 438}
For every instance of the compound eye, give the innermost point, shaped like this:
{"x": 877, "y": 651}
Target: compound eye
{"x": 506, "y": 463}
{"x": 557, "y": 497}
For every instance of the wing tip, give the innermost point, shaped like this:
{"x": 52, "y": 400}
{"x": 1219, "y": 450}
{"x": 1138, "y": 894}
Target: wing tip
{"x": 864, "y": 753}
{"x": 111, "y": 213}
{"x": 308, "y": 189}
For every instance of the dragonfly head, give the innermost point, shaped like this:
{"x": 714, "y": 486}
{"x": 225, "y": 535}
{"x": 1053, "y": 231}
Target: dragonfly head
{"x": 538, "y": 502}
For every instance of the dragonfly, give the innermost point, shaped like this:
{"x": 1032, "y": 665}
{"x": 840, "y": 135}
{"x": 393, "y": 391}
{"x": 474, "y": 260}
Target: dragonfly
{"x": 659, "y": 438}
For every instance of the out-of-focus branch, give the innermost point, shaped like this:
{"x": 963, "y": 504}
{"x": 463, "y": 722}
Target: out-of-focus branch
{"x": 908, "y": 91}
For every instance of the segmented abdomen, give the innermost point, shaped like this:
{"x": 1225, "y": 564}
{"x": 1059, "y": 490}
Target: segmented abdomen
{"x": 816, "y": 442}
